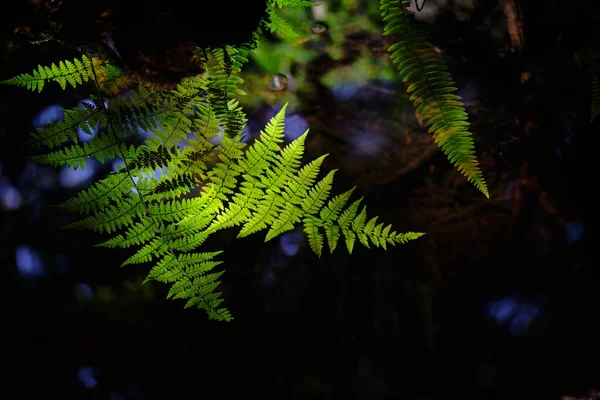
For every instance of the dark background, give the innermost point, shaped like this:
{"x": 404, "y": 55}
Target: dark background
{"x": 499, "y": 300}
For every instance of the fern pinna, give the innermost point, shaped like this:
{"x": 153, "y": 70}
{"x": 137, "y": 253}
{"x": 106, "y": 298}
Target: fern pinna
{"x": 432, "y": 89}
{"x": 147, "y": 204}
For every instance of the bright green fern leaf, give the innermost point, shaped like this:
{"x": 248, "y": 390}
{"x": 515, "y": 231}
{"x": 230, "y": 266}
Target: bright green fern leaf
{"x": 193, "y": 146}
{"x": 277, "y": 194}
{"x": 66, "y": 72}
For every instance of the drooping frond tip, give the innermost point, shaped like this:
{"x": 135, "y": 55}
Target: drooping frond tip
{"x": 432, "y": 90}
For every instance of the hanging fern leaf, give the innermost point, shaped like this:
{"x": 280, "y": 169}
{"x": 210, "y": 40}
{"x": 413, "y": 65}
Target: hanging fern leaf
{"x": 432, "y": 89}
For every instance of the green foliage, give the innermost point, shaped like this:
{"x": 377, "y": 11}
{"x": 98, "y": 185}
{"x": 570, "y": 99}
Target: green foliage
{"x": 73, "y": 73}
{"x": 290, "y": 3}
{"x": 432, "y": 89}
{"x": 262, "y": 187}
{"x": 281, "y": 26}
{"x": 276, "y": 23}
{"x": 366, "y": 68}
{"x": 279, "y": 54}
{"x": 193, "y": 176}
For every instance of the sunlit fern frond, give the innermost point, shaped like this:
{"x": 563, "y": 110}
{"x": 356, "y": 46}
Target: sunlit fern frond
{"x": 66, "y": 72}
{"x": 432, "y": 89}
{"x": 193, "y": 143}
{"x": 275, "y": 193}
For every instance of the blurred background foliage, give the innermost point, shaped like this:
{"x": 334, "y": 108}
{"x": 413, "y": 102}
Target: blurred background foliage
{"x": 323, "y": 31}
{"x": 497, "y": 301}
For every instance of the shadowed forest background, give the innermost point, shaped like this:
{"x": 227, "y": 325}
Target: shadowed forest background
{"x": 498, "y": 301}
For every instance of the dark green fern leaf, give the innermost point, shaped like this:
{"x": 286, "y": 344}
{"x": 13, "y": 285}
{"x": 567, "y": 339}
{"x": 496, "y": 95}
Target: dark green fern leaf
{"x": 181, "y": 182}
{"x": 432, "y": 89}
{"x": 151, "y": 159}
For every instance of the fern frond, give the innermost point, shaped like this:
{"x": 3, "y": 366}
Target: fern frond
{"x": 256, "y": 160}
{"x": 291, "y": 213}
{"x": 277, "y": 24}
{"x": 223, "y": 73}
{"x": 277, "y": 194}
{"x": 60, "y": 132}
{"x": 128, "y": 114}
{"x": 432, "y": 89}
{"x": 138, "y": 234}
{"x": 66, "y": 72}
{"x": 102, "y": 147}
{"x": 178, "y": 185}
{"x": 224, "y": 88}
{"x": 99, "y": 195}
{"x": 260, "y": 187}
{"x": 291, "y": 3}
{"x": 167, "y": 270}
{"x": 113, "y": 217}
